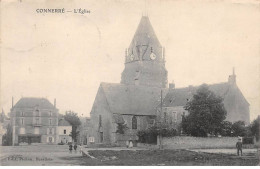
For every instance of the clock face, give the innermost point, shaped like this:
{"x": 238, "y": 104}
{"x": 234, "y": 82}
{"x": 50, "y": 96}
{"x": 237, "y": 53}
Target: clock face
{"x": 132, "y": 57}
{"x": 152, "y": 56}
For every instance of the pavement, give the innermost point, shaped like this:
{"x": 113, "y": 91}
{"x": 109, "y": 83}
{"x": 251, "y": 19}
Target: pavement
{"x": 50, "y": 155}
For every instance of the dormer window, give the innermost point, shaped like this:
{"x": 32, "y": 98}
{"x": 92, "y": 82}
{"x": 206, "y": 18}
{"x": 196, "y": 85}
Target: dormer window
{"x": 50, "y": 113}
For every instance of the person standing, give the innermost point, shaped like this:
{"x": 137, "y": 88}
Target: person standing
{"x": 80, "y": 148}
{"x": 239, "y": 146}
{"x": 75, "y": 147}
{"x": 70, "y": 148}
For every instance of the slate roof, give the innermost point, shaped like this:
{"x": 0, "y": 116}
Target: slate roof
{"x": 31, "y": 102}
{"x": 145, "y": 37}
{"x": 132, "y": 99}
{"x": 63, "y": 122}
{"x": 180, "y": 96}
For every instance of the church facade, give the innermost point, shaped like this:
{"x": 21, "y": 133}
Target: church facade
{"x": 136, "y": 100}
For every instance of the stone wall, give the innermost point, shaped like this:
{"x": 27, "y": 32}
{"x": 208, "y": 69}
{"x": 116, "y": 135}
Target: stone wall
{"x": 185, "y": 142}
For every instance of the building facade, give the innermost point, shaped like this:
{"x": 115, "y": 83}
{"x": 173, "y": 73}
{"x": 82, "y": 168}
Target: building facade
{"x": 34, "y": 120}
{"x": 64, "y": 131}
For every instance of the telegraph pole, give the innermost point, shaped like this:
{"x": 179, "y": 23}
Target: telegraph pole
{"x": 160, "y": 127}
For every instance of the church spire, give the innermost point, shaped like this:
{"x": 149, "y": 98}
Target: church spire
{"x": 145, "y": 64}
{"x": 145, "y": 39}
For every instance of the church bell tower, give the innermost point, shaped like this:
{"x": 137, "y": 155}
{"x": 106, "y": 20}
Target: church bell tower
{"x": 144, "y": 59}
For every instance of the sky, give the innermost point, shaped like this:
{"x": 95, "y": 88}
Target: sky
{"x": 66, "y": 56}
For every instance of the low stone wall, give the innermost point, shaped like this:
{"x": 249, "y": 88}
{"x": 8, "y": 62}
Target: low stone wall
{"x": 148, "y": 146}
{"x": 185, "y": 142}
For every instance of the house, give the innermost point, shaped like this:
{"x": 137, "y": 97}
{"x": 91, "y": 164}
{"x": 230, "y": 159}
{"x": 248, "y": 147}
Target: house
{"x": 84, "y": 130}
{"x": 136, "y": 100}
{"x": 64, "y": 131}
{"x": 235, "y": 103}
{"x": 34, "y": 120}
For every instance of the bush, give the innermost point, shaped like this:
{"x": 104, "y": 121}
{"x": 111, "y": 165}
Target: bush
{"x": 248, "y": 140}
{"x": 150, "y": 135}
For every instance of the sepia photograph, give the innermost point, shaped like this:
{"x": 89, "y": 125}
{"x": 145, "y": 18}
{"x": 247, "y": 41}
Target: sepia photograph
{"x": 129, "y": 82}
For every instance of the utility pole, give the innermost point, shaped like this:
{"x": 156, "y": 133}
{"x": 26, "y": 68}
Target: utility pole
{"x": 160, "y": 126}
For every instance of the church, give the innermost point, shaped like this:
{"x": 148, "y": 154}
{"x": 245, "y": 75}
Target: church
{"x": 136, "y": 100}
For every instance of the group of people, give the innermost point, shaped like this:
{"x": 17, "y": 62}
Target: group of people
{"x": 71, "y": 147}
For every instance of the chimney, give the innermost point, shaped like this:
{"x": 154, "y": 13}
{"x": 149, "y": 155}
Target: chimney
{"x": 232, "y": 78}
{"x": 172, "y": 85}
{"x": 12, "y": 102}
{"x": 55, "y": 102}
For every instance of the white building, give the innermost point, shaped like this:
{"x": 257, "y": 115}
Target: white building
{"x": 64, "y": 129}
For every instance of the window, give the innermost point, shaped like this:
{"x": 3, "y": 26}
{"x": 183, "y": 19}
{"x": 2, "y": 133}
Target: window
{"x": 91, "y": 139}
{"x": 36, "y": 130}
{"x": 22, "y": 114}
{"x": 22, "y": 121}
{"x": 37, "y": 121}
{"x": 50, "y": 139}
{"x": 101, "y": 137}
{"x": 50, "y": 121}
{"x": 37, "y": 113}
{"x": 175, "y": 116}
{"x": 50, "y": 131}
{"x": 134, "y": 122}
{"x": 171, "y": 115}
{"x": 50, "y": 113}
{"x": 64, "y": 131}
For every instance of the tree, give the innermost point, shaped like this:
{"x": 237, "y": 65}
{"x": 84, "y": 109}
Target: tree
{"x": 7, "y": 137}
{"x": 121, "y": 128}
{"x": 254, "y": 127}
{"x": 74, "y": 120}
{"x": 239, "y": 129}
{"x": 226, "y": 128}
{"x": 206, "y": 113}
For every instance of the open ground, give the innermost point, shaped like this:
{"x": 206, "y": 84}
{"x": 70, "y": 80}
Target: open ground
{"x": 53, "y": 155}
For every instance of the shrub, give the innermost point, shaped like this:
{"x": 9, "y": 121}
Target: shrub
{"x": 150, "y": 135}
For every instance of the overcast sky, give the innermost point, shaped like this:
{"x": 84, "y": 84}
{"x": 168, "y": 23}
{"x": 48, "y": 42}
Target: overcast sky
{"x": 66, "y": 56}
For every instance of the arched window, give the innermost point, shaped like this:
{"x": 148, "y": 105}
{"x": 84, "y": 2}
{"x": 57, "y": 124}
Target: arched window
{"x": 134, "y": 122}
